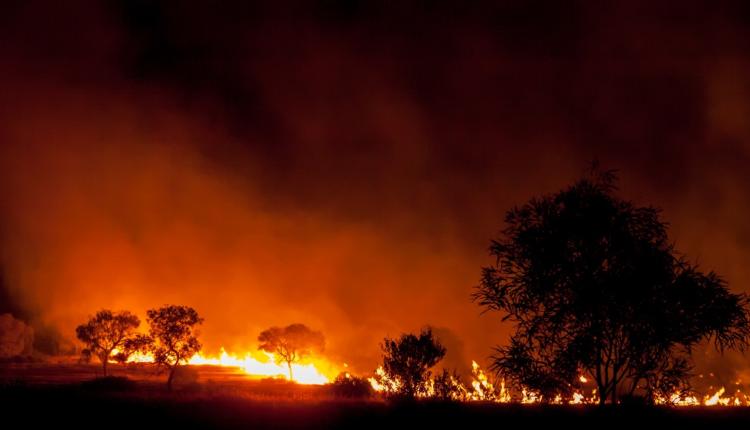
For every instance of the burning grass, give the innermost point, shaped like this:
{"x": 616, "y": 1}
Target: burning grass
{"x": 208, "y": 396}
{"x": 225, "y": 376}
{"x": 259, "y": 364}
{"x": 236, "y": 403}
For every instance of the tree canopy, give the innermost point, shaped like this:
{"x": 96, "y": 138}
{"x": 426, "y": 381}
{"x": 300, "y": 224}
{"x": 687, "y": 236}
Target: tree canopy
{"x": 291, "y": 343}
{"x": 407, "y": 362}
{"x": 172, "y": 330}
{"x": 107, "y": 332}
{"x": 594, "y": 287}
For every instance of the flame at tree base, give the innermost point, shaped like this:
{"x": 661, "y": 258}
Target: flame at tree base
{"x": 481, "y": 389}
{"x": 717, "y": 399}
{"x": 262, "y": 364}
{"x": 301, "y": 373}
{"x": 320, "y": 372}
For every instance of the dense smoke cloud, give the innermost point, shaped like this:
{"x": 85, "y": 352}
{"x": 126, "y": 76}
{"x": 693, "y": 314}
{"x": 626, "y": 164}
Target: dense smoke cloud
{"x": 345, "y": 166}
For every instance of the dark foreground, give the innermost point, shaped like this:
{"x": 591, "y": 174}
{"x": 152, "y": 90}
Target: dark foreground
{"x": 66, "y": 396}
{"x": 84, "y": 406}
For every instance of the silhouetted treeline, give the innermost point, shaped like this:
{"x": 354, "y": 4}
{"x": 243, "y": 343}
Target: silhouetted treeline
{"x": 171, "y": 338}
{"x": 592, "y": 283}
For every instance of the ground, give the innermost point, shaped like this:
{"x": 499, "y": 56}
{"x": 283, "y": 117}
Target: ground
{"x": 66, "y": 396}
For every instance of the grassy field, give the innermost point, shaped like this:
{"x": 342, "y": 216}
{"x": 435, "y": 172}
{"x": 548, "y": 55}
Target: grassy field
{"x": 67, "y": 396}
{"x": 146, "y": 375}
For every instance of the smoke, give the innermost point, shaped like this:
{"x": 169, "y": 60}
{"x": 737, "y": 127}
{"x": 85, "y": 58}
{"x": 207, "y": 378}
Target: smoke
{"x": 341, "y": 167}
{"x": 117, "y": 214}
{"x": 16, "y": 338}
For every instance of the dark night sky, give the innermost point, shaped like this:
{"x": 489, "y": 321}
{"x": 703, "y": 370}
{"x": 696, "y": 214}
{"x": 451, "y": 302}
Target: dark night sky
{"x": 345, "y": 163}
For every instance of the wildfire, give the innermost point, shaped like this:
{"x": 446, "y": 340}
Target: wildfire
{"x": 261, "y": 364}
{"x": 578, "y": 398}
{"x": 302, "y": 373}
{"x": 381, "y": 382}
{"x": 483, "y": 388}
{"x": 716, "y": 399}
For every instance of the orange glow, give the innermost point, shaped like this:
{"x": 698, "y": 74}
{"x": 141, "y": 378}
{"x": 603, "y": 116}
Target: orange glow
{"x": 261, "y": 364}
{"x": 381, "y": 382}
{"x": 716, "y": 399}
{"x": 318, "y": 371}
{"x": 481, "y": 389}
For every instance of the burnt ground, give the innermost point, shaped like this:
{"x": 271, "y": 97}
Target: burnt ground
{"x": 67, "y": 396}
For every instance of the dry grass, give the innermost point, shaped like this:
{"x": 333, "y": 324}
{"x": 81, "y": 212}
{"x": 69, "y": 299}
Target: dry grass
{"x": 62, "y": 396}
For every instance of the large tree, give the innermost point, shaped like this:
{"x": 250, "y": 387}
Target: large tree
{"x": 595, "y": 287}
{"x": 174, "y": 340}
{"x": 407, "y": 361}
{"x": 291, "y": 344}
{"x": 108, "y": 332}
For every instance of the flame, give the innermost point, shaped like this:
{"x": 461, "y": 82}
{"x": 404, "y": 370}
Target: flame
{"x": 529, "y": 397}
{"x": 676, "y": 399}
{"x": 321, "y": 372}
{"x": 481, "y": 389}
{"x": 266, "y": 366}
{"x": 716, "y": 399}
{"x": 382, "y": 382}
{"x": 484, "y": 389}
{"x": 263, "y": 364}
{"x": 137, "y": 357}
{"x": 578, "y": 398}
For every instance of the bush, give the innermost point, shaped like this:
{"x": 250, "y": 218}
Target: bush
{"x": 351, "y": 387}
{"x": 448, "y": 387}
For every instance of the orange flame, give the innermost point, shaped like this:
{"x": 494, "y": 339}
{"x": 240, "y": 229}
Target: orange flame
{"x": 262, "y": 364}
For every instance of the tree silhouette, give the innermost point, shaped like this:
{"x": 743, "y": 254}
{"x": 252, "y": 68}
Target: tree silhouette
{"x": 172, "y": 330}
{"x": 138, "y": 343}
{"x": 594, "y": 287}
{"x": 106, "y": 332}
{"x": 350, "y": 386}
{"x": 291, "y": 343}
{"x": 407, "y": 362}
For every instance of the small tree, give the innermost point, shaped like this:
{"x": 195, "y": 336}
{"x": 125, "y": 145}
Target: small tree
{"x": 291, "y": 343}
{"x": 173, "y": 336}
{"x": 350, "y": 386}
{"x": 407, "y": 361}
{"x": 106, "y": 332}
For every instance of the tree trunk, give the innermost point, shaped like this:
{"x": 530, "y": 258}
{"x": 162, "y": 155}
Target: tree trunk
{"x": 104, "y": 357}
{"x": 171, "y": 377}
{"x": 289, "y": 365}
{"x": 615, "y": 382}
